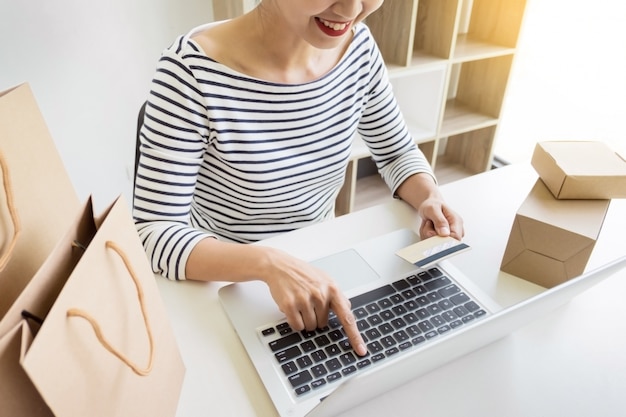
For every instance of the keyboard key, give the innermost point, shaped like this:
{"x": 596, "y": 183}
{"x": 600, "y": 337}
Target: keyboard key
{"x": 268, "y": 332}
{"x": 372, "y": 308}
{"x": 396, "y": 299}
{"x": 374, "y": 347}
{"x": 435, "y": 272}
{"x": 318, "y": 383}
{"x": 413, "y": 330}
{"x": 307, "y": 334}
{"x": 405, "y": 345}
{"x": 449, "y": 316}
{"x": 456, "y": 323}
{"x": 289, "y": 368}
{"x": 433, "y": 297}
{"x": 410, "y": 318}
{"x": 431, "y": 334}
{"x": 401, "y": 336}
{"x": 288, "y": 354}
{"x": 460, "y": 311}
{"x": 318, "y": 356}
{"x": 332, "y": 350}
{"x": 319, "y": 370}
{"x": 335, "y": 335}
{"x": 459, "y": 299}
{"x": 372, "y": 334}
{"x": 471, "y": 306}
{"x": 374, "y": 320}
{"x": 386, "y": 328}
{"x": 420, "y": 290}
{"x": 349, "y": 370}
{"x": 418, "y": 340}
{"x": 391, "y": 351}
{"x": 302, "y": 390}
{"x": 284, "y": 342}
{"x": 424, "y": 276}
{"x": 300, "y": 378}
{"x": 360, "y": 313}
{"x": 401, "y": 285}
{"x": 449, "y": 290}
{"x": 425, "y": 326}
{"x": 322, "y": 340}
{"x": 308, "y": 346}
{"x": 414, "y": 280}
{"x": 333, "y": 377}
{"x": 437, "y": 321}
{"x": 398, "y": 323}
{"x": 385, "y": 303}
{"x": 363, "y": 363}
{"x": 437, "y": 283}
{"x": 362, "y": 325}
{"x": 422, "y": 313}
{"x": 399, "y": 310}
{"x": 304, "y": 362}
{"x": 347, "y": 358}
{"x": 378, "y": 357}
{"x": 388, "y": 341}
{"x": 443, "y": 329}
{"x": 333, "y": 364}
{"x": 370, "y": 296}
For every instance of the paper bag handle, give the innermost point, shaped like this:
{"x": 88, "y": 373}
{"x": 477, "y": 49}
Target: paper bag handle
{"x": 74, "y": 312}
{"x": 8, "y": 191}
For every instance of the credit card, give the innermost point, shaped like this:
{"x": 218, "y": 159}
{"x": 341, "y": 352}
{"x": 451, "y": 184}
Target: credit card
{"x": 428, "y": 252}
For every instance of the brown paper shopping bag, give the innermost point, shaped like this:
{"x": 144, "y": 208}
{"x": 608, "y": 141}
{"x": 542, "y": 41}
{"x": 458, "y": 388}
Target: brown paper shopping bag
{"x": 18, "y": 395}
{"x": 106, "y": 347}
{"x": 43, "y": 196}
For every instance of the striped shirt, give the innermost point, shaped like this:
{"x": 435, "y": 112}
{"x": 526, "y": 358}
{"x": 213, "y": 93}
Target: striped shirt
{"x": 229, "y": 156}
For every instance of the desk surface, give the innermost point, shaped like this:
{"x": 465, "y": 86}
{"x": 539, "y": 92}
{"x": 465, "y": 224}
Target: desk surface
{"x": 572, "y": 362}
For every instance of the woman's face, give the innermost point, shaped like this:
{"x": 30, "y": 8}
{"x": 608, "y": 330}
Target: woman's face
{"x": 322, "y": 23}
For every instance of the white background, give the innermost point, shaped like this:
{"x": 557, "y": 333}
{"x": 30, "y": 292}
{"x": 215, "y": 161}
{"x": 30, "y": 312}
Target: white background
{"x": 89, "y": 64}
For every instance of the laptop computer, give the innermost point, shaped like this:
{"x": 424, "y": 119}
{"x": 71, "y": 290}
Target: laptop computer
{"x": 413, "y": 320}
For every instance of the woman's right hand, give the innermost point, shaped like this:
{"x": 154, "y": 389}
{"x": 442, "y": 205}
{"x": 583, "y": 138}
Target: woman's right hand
{"x": 306, "y": 294}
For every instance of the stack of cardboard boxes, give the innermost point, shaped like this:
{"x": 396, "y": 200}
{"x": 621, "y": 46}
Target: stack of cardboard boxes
{"x": 557, "y": 226}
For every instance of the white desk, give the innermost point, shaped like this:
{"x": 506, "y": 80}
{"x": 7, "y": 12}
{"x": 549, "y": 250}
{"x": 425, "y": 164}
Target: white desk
{"x": 571, "y": 363}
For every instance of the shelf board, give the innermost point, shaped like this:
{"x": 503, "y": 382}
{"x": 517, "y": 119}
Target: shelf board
{"x": 447, "y": 171}
{"x": 469, "y": 49}
{"x": 419, "y": 62}
{"x": 459, "y": 118}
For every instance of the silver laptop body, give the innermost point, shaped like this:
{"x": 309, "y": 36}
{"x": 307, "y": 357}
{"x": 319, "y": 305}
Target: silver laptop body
{"x": 366, "y": 266}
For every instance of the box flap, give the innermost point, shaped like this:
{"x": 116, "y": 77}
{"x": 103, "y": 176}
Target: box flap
{"x": 582, "y": 217}
{"x": 580, "y": 169}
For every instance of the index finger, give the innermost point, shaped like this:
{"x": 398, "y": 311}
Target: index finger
{"x": 341, "y": 306}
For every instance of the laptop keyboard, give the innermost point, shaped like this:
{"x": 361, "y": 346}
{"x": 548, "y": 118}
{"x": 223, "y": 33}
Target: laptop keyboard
{"x": 392, "y": 319}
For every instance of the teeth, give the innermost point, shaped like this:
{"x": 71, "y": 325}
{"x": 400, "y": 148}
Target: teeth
{"x": 334, "y": 26}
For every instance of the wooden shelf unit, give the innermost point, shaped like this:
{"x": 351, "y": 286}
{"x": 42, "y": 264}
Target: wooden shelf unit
{"x": 449, "y": 63}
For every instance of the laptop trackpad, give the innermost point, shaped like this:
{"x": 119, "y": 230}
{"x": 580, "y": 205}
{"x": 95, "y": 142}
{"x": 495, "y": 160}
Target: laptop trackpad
{"x": 347, "y": 268}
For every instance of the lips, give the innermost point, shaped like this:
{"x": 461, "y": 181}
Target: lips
{"x": 332, "y": 28}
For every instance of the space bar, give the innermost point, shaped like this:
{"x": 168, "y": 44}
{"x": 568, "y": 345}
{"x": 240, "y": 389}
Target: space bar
{"x": 371, "y": 296}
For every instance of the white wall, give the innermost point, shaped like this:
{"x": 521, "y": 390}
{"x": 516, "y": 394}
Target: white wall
{"x": 569, "y": 77}
{"x": 89, "y": 64}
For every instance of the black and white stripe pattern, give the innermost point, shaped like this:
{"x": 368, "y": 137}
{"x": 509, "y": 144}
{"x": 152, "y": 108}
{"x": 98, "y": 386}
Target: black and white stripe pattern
{"x": 242, "y": 159}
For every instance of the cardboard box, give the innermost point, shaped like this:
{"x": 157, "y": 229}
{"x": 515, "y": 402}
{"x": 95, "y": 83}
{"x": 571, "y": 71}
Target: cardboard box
{"x": 580, "y": 169}
{"x": 551, "y": 240}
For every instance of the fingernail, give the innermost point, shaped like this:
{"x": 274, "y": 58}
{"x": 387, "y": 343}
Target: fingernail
{"x": 444, "y": 231}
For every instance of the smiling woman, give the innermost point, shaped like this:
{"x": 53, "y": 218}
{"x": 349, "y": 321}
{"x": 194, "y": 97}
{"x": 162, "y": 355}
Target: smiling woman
{"x": 248, "y": 132}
